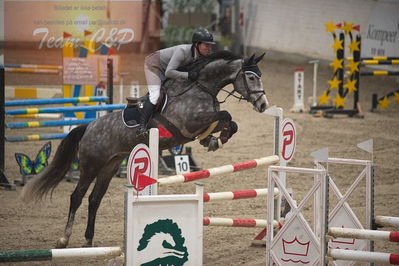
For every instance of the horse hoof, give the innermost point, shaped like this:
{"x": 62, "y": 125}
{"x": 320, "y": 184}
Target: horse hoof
{"x": 62, "y": 243}
{"x": 205, "y": 142}
{"x": 215, "y": 144}
{"x": 88, "y": 244}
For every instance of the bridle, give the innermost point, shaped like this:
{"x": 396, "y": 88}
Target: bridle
{"x": 242, "y": 71}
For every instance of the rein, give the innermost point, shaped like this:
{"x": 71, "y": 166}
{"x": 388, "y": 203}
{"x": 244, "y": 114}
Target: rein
{"x": 230, "y": 93}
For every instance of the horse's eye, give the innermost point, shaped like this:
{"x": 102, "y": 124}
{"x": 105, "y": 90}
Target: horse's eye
{"x": 251, "y": 78}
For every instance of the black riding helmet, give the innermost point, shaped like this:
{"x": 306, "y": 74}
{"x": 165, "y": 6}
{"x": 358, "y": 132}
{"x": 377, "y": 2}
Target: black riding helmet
{"x": 202, "y": 35}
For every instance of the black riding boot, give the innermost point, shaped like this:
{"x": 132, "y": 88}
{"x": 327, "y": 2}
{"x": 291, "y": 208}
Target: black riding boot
{"x": 146, "y": 114}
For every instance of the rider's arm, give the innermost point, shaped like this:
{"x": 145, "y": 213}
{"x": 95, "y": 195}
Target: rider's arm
{"x": 176, "y": 60}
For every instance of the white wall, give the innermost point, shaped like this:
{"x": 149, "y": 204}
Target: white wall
{"x": 297, "y": 26}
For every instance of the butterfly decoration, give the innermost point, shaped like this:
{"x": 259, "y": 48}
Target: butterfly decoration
{"x": 74, "y": 165}
{"x": 124, "y": 162}
{"x": 177, "y": 150}
{"x": 29, "y": 167}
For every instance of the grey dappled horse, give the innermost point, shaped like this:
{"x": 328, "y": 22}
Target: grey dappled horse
{"x": 102, "y": 144}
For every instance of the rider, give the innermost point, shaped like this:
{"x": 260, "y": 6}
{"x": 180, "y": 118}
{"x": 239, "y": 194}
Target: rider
{"x": 164, "y": 63}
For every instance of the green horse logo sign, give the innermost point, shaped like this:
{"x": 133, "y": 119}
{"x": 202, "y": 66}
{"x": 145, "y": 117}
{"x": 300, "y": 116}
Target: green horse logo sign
{"x": 162, "y": 243}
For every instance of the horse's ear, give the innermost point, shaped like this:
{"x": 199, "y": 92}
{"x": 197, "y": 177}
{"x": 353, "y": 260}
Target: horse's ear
{"x": 259, "y": 58}
{"x": 251, "y": 59}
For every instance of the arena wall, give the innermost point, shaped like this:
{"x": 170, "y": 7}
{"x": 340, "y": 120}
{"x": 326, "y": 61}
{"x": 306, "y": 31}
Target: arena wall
{"x": 298, "y": 26}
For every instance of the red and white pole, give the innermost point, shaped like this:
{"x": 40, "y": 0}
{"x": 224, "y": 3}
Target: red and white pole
{"x": 239, "y": 194}
{"x": 363, "y": 234}
{"x": 387, "y": 221}
{"x": 364, "y": 256}
{"x": 226, "y": 169}
{"x": 216, "y": 221}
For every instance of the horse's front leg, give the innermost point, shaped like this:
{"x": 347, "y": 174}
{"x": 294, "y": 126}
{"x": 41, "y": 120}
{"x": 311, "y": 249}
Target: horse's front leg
{"x": 226, "y": 126}
{"x": 226, "y": 129}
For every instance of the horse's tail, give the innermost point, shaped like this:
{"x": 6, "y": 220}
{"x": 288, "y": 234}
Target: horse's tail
{"x": 55, "y": 172}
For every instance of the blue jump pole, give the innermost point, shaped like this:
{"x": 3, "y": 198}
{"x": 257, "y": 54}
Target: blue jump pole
{"x": 56, "y": 123}
{"x": 54, "y": 110}
{"x": 36, "y": 137}
{"x": 57, "y": 101}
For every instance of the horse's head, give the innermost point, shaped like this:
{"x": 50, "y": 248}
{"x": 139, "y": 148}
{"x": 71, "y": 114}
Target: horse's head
{"x": 222, "y": 68}
{"x": 249, "y": 84}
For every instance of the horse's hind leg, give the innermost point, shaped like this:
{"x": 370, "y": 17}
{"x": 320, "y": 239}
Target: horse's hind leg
{"x": 100, "y": 187}
{"x": 83, "y": 185}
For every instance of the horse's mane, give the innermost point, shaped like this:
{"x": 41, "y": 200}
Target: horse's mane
{"x": 204, "y": 60}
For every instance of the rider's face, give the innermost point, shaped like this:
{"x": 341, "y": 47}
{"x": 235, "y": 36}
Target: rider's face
{"x": 204, "y": 48}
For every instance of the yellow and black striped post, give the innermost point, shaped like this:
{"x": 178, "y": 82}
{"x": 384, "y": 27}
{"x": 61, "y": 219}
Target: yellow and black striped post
{"x": 340, "y": 71}
{"x": 356, "y": 57}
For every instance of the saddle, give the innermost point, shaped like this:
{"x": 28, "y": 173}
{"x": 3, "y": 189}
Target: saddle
{"x": 132, "y": 113}
{"x": 135, "y": 102}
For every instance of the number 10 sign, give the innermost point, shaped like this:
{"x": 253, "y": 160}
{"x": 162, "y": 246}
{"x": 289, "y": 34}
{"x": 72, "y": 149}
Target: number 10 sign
{"x": 182, "y": 164}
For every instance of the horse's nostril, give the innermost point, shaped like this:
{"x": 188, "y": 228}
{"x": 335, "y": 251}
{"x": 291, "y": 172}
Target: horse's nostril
{"x": 262, "y": 107}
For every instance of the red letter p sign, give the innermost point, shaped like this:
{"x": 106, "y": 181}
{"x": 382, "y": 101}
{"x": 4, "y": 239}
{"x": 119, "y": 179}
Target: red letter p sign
{"x": 139, "y": 166}
{"x": 288, "y": 142}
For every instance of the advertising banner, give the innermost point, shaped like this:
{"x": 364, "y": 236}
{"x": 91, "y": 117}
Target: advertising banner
{"x": 381, "y": 36}
{"x": 50, "y": 22}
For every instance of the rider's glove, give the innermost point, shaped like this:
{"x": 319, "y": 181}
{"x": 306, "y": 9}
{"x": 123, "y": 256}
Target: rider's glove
{"x": 193, "y": 75}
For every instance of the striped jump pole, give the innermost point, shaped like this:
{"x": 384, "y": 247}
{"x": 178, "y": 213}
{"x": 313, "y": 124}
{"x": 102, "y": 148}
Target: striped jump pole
{"x": 363, "y": 234}
{"x": 49, "y": 116}
{"x": 59, "y": 254}
{"x": 240, "y": 194}
{"x": 380, "y": 62}
{"x": 32, "y": 70}
{"x": 56, "y": 101}
{"x": 34, "y": 124}
{"x": 379, "y": 73}
{"x": 363, "y": 256}
{"x": 375, "y": 101}
{"x": 53, "y": 110}
{"x": 36, "y": 137}
{"x": 380, "y": 58}
{"x": 33, "y": 66}
{"x": 226, "y": 169}
{"x": 387, "y": 221}
{"x": 230, "y": 222}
